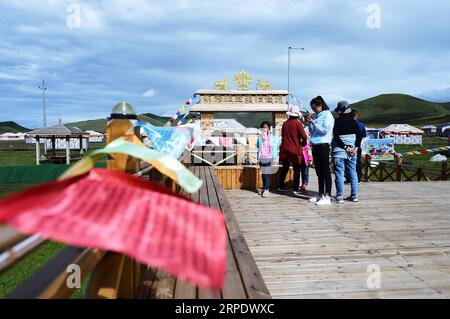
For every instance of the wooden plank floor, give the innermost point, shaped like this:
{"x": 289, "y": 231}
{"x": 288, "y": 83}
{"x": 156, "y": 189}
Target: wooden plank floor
{"x": 305, "y": 251}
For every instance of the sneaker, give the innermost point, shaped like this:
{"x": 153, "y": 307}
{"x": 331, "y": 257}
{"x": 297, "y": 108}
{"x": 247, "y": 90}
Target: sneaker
{"x": 283, "y": 190}
{"x": 265, "y": 193}
{"x": 325, "y": 200}
{"x": 314, "y": 199}
{"x": 339, "y": 199}
{"x": 260, "y": 192}
{"x": 298, "y": 193}
{"x": 353, "y": 199}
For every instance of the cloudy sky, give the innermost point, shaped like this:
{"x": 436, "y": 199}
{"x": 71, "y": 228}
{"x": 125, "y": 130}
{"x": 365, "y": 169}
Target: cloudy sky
{"x": 155, "y": 54}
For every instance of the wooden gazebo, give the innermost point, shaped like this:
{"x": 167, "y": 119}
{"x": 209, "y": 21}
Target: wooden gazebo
{"x": 54, "y": 133}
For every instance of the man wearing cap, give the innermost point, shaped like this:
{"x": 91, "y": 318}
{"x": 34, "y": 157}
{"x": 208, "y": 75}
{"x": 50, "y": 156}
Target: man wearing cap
{"x": 346, "y": 142}
{"x": 293, "y": 139}
{"x": 362, "y": 128}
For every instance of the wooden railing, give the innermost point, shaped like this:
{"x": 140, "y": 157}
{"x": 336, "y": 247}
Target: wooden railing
{"x": 216, "y": 156}
{"x": 111, "y": 275}
{"x": 399, "y": 172}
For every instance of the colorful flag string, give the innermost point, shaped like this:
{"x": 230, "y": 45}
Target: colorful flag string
{"x": 419, "y": 152}
{"x": 183, "y": 111}
{"x": 168, "y": 140}
{"x": 164, "y": 163}
{"x": 114, "y": 211}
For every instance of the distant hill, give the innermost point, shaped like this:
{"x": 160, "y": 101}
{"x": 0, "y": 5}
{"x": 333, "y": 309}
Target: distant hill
{"x": 377, "y": 111}
{"x": 99, "y": 125}
{"x": 13, "y": 127}
{"x": 400, "y": 108}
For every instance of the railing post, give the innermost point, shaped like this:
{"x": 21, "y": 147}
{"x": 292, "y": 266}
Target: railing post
{"x": 121, "y": 123}
{"x": 398, "y": 168}
{"x": 444, "y": 175}
{"x": 367, "y": 167}
{"x": 419, "y": 174}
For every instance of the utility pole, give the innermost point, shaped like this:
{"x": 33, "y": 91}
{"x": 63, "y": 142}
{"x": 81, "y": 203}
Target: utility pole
{"x": 43, "y": 87}
{"x": 289, "y": 69}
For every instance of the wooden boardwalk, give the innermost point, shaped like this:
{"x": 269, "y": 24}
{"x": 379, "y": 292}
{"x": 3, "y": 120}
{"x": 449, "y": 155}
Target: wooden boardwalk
{"x": 305, "y": 251}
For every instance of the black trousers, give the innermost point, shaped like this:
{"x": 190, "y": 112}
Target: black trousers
{"x": 284, "y": 171}
{"x": 321, "y": 157}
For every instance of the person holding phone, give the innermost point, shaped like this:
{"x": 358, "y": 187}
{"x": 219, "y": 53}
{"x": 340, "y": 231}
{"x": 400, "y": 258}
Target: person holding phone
{"x": 321, "y": 129}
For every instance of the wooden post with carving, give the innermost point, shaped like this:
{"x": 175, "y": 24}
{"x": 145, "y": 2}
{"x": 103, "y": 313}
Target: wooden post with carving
{"x": 121, "y": 124}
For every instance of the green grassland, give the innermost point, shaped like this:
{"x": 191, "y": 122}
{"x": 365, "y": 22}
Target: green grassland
{"x": 17, "y": 153}
{"x": 17, "y": 274}
{"x": 386, "y": 109}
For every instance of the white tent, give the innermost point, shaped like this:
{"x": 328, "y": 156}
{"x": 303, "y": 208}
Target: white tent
{"x": 96, "y": 137}
{"x": 12, "y": 136}
{"x": 438, "y": 158}
{"x": 228, "y": 125}
{"x": 402, "y": 129}
{"x": 446, "y": 128}
{"x": 429, "y": 129}
{"x": 403, "y": 134}
{"x": 373, "y": 133}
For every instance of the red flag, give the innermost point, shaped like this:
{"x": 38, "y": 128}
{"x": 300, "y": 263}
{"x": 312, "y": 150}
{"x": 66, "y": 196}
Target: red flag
{"x": 115, "y": 211}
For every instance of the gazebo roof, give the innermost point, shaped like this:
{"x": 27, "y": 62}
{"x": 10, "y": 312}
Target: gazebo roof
{"x": 57, "y": 130}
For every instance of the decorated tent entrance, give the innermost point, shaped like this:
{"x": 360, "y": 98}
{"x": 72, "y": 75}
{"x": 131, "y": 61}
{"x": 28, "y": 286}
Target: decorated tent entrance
{"x": 234, "y": 101}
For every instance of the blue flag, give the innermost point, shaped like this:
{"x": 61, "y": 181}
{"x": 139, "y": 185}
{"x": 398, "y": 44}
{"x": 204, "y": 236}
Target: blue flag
{"x": 168, "y": 140}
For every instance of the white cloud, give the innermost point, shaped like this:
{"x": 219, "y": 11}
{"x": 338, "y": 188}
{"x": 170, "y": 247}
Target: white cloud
{"x": 149, "y": 93}
{"x": 179, "y": 46}
{"x": 438, "y": 95}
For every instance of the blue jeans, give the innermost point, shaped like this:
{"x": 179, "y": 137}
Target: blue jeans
{"x": 305, "y": 173}
{"x": 266, "y": 165}
{"x": 342, "y": 165}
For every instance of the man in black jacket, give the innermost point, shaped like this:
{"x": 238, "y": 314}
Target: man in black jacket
{"x": 362, "y": 128}
{"x": 346, "y": 143}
